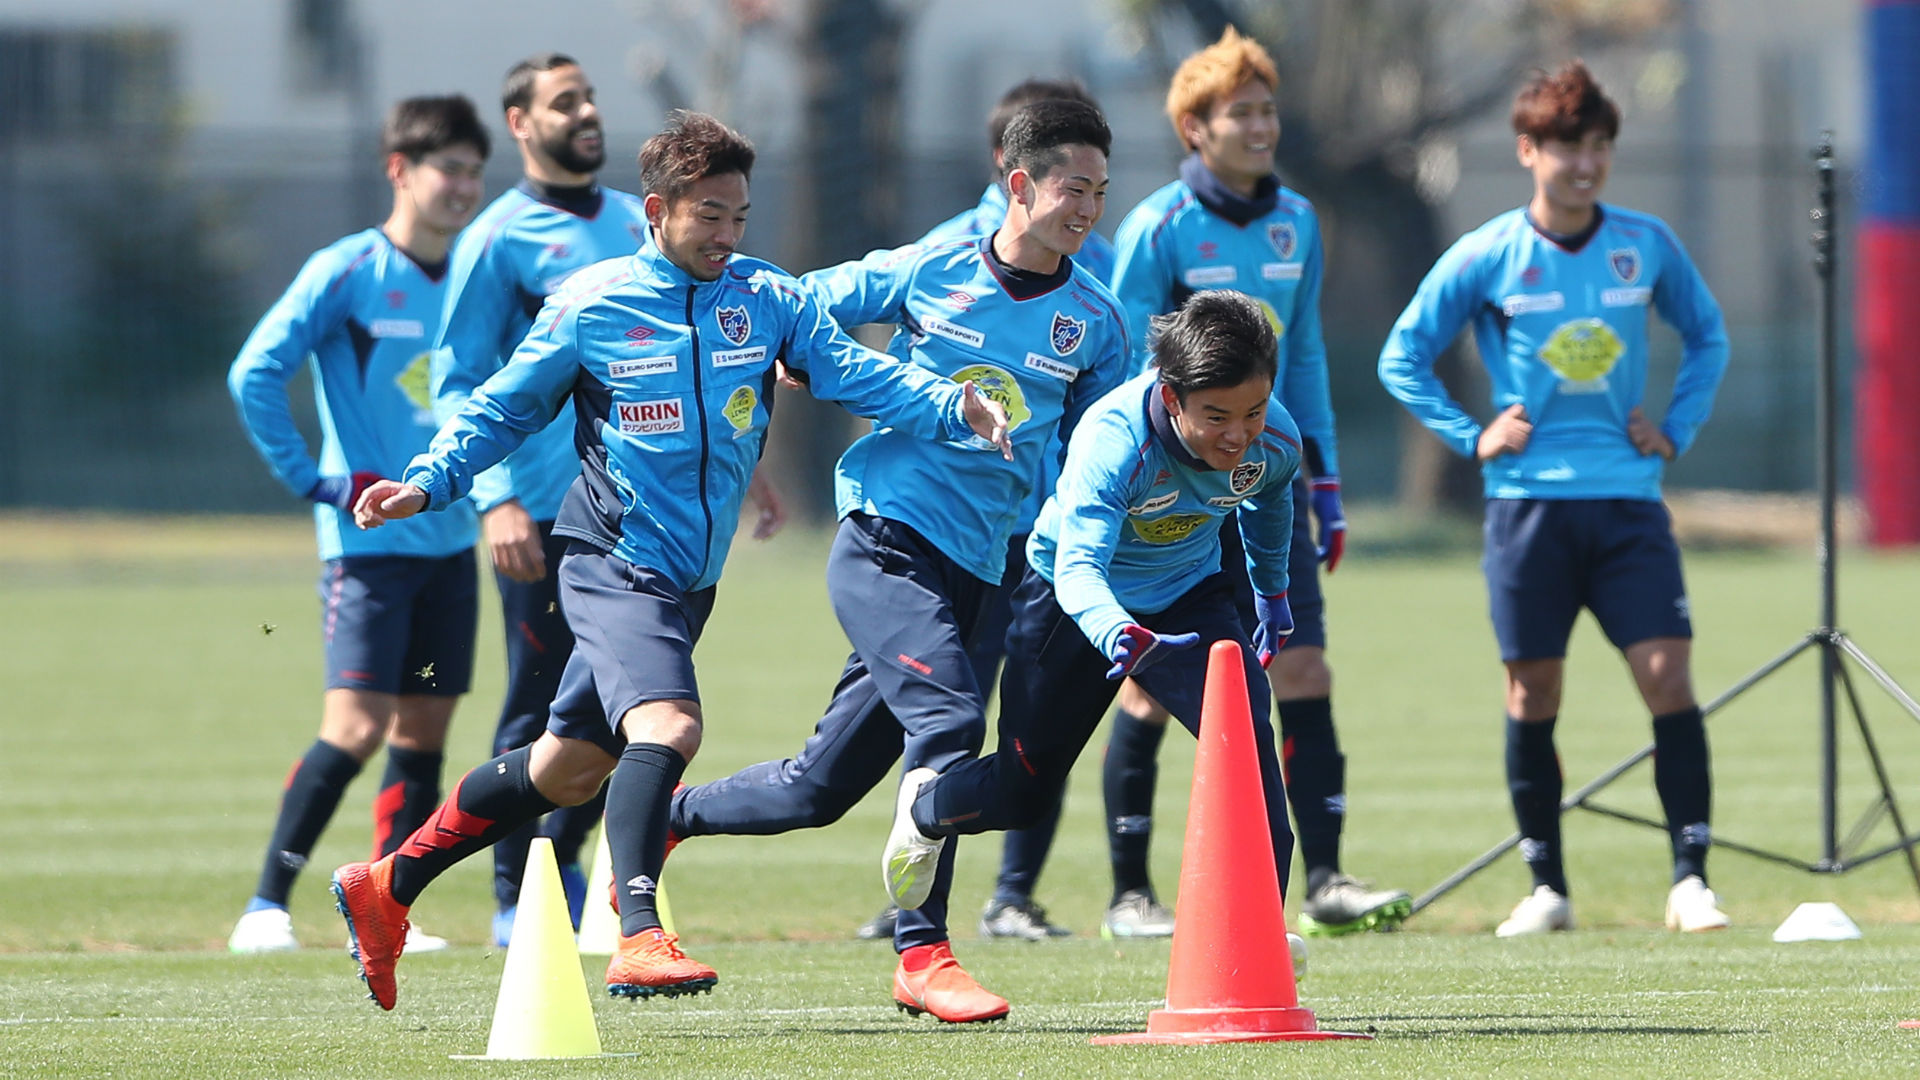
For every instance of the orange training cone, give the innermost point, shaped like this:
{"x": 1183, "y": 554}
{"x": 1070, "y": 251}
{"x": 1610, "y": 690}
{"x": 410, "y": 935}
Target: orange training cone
{"x": 1231, "y": 976}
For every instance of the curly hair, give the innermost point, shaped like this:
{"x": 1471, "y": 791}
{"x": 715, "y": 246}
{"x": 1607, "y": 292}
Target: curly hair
{"x": 1564, "y": 104}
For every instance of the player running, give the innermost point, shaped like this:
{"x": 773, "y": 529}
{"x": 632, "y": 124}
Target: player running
{"x": 668, "y": 356}
{"x": 1558, "y": 293}
{"x": 924, "y": 526}
{"x": 398, "y": 607}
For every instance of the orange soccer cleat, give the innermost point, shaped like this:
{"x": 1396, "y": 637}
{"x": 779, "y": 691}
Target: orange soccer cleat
{"x": 650, "y": 962}
{"x": 930, "y": 980}
{"x": 376, "y": 924}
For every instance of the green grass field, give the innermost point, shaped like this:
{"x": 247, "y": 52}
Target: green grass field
{"x": 147, "y": 718}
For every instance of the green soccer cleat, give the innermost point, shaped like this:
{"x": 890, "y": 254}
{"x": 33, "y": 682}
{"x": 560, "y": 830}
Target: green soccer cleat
{"x": 907, "y": 867}
{"x": 1345, "y": 905}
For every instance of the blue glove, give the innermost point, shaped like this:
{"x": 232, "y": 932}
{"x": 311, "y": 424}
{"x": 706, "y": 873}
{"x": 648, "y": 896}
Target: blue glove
{"x": 1276, "y": 625}
{"x": 341, "y": 491}
{"x": 1140, "y": 648}
{"x": 1332, "y": 542}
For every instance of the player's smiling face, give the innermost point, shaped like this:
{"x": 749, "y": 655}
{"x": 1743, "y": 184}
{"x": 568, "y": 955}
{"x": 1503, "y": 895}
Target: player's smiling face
{"x": 446, "y": 187}
{"x": 1220, "y": 423}
{"x": 1236, "y": 138}
{"x": 562, "y": 123}
{"x": 698, "y": 231}
{"x": 1064, "y": 205}
{"x": 1567, "y": 176}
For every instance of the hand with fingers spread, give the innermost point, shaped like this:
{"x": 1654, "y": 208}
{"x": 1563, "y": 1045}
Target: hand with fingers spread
{"x": 1139, "y": 648}
{"x": 1508, "y": 434}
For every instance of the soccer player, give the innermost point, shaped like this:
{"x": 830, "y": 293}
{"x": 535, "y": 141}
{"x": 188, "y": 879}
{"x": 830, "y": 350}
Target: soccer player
{"x": 557, "y": 219}
{"x": 668, "y": 356}
{"x": 1011, "y": 912}
{"x": 1125, "y": 576}
{"x": 924, "y": 526}
{"x": 1229, "y": 223}
{"x": 398, "y": 607}
{"x": 1557, "y": 293}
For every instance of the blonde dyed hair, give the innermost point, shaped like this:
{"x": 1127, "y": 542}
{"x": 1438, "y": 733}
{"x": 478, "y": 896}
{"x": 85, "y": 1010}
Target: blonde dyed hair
{"x": 1214, "y": 72}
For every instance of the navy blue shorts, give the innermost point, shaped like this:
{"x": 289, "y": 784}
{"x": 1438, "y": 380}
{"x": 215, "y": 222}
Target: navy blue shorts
{"x": 633, "y": 638}
{"x": 400, "y": 624}
{"x": 1308, "y": 604}
{"x": 1548, "y": 558}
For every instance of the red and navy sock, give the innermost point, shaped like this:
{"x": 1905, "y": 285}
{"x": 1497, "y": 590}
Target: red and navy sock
{"x": 639, "y": 795}
{"x": 488, "y": 803}
{"x": 1315, "y": 772}
{"x": 1128, "y": 776}
{"x": 1534, "y": 781}
{"x": 408, "y": 793}
{"x": 1684, "y": 780}
{"x": 313, "y": 790}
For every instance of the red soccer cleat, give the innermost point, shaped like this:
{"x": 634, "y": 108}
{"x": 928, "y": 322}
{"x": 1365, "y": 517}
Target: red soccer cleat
{"x": 943, "y": 988}
{"x": 650, "y": 962}
{"x": 376, "y": 924}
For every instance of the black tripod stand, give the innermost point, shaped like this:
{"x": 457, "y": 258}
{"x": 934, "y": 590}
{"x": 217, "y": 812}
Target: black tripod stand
{"x": 1837, "y": 854}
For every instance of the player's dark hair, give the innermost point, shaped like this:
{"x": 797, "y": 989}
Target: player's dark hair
{"x": 1565, "y": 104}
{"x": 1038, "y": 135}
{"x": 692, "y": 147}
{"x": 1026, "y": 93}
{"x": 418, "y": 126}
{"x": 1217, "y": 338}
{"x": 516, "y": 92}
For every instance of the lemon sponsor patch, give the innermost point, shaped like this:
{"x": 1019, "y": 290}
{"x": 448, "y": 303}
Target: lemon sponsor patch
{"x": 1170, "y": 529}
{"x": 1000, "y": 385}
{"x": 739, "y": 410}
{"x": 416, "y": 383}
{"x": 1582, "y": 350}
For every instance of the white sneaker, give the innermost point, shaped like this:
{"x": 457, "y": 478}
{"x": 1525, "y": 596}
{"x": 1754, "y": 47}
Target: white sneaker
{"x": 265, "y": 930}
{"x": 1542, "y": 911}
{"x": 1297, "y": 949}
{"x": 1692, "y": 907}
{"x": 419, "y": 941}
{"x": 911, "y": 857}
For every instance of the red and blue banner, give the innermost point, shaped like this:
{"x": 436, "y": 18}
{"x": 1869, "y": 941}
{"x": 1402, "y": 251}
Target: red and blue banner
{"x": 1887, "y": 390}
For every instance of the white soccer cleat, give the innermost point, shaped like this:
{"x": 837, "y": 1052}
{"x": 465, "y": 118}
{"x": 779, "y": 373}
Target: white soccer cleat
{"x": 1692, "y": 907}
{"x": 263, "y": 931}
{"x": 419, "y": 941}
{"x": 1297, "y": 951}
{"x": 1541, "y": 912}
{"x": 911, "y": 857}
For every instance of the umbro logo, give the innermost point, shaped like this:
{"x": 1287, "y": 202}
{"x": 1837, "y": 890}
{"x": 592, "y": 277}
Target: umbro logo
{"x": 558, "y": 251}
{"x": 396, "y": 299}
{"x": 640, "y": 333}
{"x": 640, "y": 885}
{"x": 960, "y": 300}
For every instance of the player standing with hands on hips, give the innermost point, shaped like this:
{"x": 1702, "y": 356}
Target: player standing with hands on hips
{"x": 1558, "y": 294}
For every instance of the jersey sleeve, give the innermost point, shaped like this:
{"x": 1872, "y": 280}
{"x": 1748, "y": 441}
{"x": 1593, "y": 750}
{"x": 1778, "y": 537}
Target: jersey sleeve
{"x": 1093, "y": 500}
{"x": 313, "y": 306}
{"x": 873, "y": 289}
{"x": 880, "y": 387}
{"x": 1307, "y": 390}
{"x": 516, "y": 401}
{"x": 1266, "y": 520}
{"x": 1142, "y": 279}
{"x": 1683, "y": 299}
{"x": 1441, "y": 306}
{"x": 475, "y": 324}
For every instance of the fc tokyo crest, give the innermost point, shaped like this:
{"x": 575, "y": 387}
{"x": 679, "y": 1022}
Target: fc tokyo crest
{"x": 1245, "y": 475}
{"x": 735, "y": 324}
{"x": 1281, "y": 235}
{"x": 1067, "y": 333}
{"x": 1625, "y": 264}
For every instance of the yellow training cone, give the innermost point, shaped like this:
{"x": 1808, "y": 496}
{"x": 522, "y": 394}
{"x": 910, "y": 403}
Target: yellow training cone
{"x": 599, "y": 923}
{"x": 543, "y": 1010}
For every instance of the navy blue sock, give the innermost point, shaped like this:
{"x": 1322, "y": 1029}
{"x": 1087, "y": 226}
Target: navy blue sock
{"x": 638, "y": 805}
{"x": 1316, "y": 776}
{"x": 487, "y": 804}
{"x": 1022, "y": 853}
{"x": 1128, "y": 776}
{"x": 408, "y": 793}
{"x": 312, "y": 793}
{"x": 1684, "y": 780}
{"x": 1535, "y": 782}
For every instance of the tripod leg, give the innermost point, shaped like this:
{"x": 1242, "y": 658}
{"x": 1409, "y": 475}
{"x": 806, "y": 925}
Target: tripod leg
{"x": 1880, "y": 772}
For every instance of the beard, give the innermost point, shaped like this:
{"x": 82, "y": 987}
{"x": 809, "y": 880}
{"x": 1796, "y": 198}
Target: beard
{"x": 560, "y": 149}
